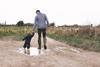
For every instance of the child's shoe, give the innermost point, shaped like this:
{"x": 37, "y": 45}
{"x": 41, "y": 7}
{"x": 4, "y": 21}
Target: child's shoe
{"x": 28, "y": 51}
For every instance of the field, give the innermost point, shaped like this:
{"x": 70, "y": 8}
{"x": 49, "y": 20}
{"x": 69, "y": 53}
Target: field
{"x": 58, "y": 54}
{"x": 17, "y": 32}
{"x": 87, "y": 37}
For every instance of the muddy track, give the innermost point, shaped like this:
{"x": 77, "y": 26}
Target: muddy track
{"x": 57, "y": 55}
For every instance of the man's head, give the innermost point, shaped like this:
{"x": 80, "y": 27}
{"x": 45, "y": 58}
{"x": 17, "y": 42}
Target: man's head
{"x": 37, "y": 11}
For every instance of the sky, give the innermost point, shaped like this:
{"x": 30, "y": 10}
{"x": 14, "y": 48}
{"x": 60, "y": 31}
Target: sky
{"x": 61, "y": 12}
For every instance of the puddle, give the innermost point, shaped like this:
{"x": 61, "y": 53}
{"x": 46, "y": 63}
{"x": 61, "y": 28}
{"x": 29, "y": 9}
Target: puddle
{"x": 33, "y": 51}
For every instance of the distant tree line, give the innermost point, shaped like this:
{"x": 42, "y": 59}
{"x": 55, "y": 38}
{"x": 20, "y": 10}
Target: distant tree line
{"x": 21, "y": 23}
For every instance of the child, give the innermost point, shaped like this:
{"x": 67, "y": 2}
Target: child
{"x": 27, "y": 39}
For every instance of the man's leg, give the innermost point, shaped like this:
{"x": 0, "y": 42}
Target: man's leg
{"x": 39, "y": 38}
{"x": 44, "y": 38}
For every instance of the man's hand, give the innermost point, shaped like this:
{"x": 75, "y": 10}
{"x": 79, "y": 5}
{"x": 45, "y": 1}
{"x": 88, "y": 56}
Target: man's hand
{"x": 33, "y": 31}
{"x": 48, "y": 25}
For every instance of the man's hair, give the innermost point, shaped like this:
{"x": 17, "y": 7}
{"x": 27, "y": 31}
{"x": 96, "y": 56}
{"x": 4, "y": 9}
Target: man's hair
{"x": 37, "y": 11}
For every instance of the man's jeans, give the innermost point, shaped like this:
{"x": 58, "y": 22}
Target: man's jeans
{"x": 43, "y": 32}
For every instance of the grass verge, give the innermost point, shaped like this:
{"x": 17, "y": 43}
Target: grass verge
{"x": 86, "y": 43}
{"x": 16, "y": 36}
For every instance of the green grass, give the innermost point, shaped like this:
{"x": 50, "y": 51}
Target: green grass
{"x": 2, "y": 34}
{"x": 17, "y": 32}
{"x": 84, "y": 42}
{"x": 15, "y": 35}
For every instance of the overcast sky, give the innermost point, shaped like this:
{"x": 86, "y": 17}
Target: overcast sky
{"x": 59, "y": 11}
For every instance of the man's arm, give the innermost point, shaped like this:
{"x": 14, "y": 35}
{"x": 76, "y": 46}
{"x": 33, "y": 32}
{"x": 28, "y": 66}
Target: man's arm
{"x": 47, "y": 20}
{"x": 34, "y": 26}
{"x": 32, "y": 34}
{"x": 35, "y": 23}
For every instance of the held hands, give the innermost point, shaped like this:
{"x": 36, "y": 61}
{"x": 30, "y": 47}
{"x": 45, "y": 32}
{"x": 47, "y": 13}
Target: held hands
{"x": 33, "y": 31}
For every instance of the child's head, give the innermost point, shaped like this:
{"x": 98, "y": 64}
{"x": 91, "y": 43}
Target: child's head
{"x": 31, "y": 33}
{"x": 28, "y": 33}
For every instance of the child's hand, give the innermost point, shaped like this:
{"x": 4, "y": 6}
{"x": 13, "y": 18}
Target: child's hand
{"x": 22, "y": 39}
{"x": 33, "y": 32}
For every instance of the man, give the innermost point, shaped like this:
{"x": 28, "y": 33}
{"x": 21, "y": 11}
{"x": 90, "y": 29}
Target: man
{"x": 42, "y": 23}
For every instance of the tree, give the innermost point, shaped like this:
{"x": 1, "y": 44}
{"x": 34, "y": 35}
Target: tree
{"x": 20, "y": 23}
{"x": 28, "y": 24}
{"x": 52, "y": 24}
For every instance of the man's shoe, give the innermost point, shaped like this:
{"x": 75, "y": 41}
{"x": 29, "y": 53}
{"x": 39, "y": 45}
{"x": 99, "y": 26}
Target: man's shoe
{"x": 39, "y": 48}
{"x": 45, "y": 47}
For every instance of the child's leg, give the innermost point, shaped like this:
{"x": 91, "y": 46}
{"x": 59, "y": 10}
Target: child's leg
{"x": 24, "y": 48}
{"x": 28, "y": 48}
{"x": 28, "y": 51}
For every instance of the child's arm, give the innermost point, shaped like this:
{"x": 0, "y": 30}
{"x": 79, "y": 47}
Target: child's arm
{"x": 24, "y": 38}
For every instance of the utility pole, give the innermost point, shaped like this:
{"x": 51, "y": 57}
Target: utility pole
{"x": 5, "y": 22}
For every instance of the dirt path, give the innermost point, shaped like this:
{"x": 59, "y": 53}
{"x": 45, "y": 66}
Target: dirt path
{"x": 57, "y": 55}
